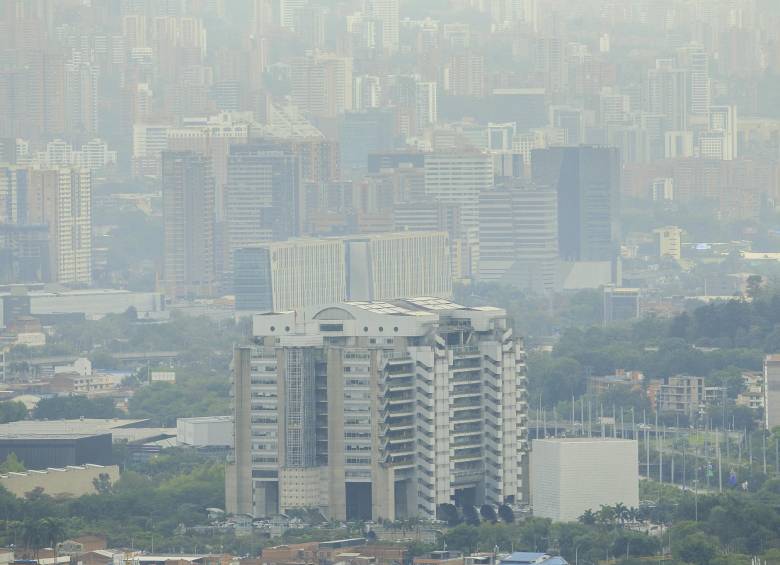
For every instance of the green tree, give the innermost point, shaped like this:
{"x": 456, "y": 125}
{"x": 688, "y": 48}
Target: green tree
{"x": 588, "y": 518}
{"x": 102, "y": 483}
{"x": 12, "y": 411}
{"x": 447, "y": 512}
{"x": 697, "y": 548}
{"x": 506, "y": 514}
{"x": 470, "y": 515}
{"x": 462, "y": 538}
{"x": 12, "y": 464}
{"x": 75, "y": 406}
{"x": 488, "y": 513}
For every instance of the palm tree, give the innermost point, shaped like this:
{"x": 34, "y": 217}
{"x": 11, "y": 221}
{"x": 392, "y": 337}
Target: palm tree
{"x": 32, "y": 536}
{"x": 588, "y": 518}
{"x": 621, "y": 512}
{"x": 52, "y": 531}
{"x": 606, "y": 515}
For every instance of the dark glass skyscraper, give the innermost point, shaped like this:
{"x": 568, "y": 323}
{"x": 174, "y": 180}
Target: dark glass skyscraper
{"x": 587, "y": 180}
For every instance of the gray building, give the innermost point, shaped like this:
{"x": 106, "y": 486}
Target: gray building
{"x": 518, "y": 236}
{"x": 297, "y": 273}
{"x": 188, "y": 194}
{"x": 263, "y": 198}
{"x": 587, "y": 180}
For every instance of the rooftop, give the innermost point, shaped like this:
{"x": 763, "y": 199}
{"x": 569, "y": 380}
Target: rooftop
{"x": 532, "y": 558}
{"x": 129, "y": 430}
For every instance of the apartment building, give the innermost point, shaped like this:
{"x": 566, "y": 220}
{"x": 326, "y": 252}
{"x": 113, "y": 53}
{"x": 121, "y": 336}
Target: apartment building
{"x": 378, "y": 410}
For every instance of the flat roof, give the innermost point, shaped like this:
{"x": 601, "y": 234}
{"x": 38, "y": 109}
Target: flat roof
{"x": 131, "y": 430}
{"x": 584, "y": 440}
{"x": 40, "y": 436}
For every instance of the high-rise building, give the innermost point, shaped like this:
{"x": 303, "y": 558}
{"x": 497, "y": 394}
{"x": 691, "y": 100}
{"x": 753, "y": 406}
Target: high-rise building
{"x": 458, "y": 178}
{"x": 426, "y": 104}
{"x": 188, "y": 222}
{"x": 281, "y": 276}
{"x": 518, "y": 236}
{"x": 466, "y": 75}
{"x": 262, "y": 197}
{"x": 369, "y": 410}
{"x": 299, "y": 273}
{"x": 723, "y": 126}
{"x": 387, "y": 12}
{"x": 289, "y": 11}
{"x": 81, "y": 96}
{"x": 322, "y": 84}
{"x": 587, "y": 180}
{"x": 696, "y": 60}
{"x": 363, "y": 133}
{"x": 62, "y": 199}
{"x": 14, "y": 183}
{"x": 668, "y": 94}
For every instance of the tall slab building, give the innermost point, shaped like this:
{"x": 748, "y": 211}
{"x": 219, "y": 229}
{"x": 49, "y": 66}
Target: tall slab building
{"x": 188, "y": 194}
{"x": 371, "y": 410}
{"x": 587, "y": 180}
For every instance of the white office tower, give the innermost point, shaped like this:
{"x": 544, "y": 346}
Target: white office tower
{"x": 289, "y": 11}
{"x": 73, "y": 227}
{"x": 458, "y": 179}
{"x": 572, "y": 475}
{"x": 297, "y": 273}
{"x": 696, "y": 60}
{"x": 387, "y": 12}
{"x": 370, "y": 410}
{"x": 723, "y": 127}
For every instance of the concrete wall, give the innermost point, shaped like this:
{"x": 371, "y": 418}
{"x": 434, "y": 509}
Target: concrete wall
{"x": 70, "y": 481}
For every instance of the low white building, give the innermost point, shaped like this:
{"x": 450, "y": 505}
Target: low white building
{"x": 572, "y": 475}
{"x": 207, "y": 431}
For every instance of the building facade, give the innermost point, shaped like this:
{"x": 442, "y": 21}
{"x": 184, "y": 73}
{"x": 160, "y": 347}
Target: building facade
{"x": 188, "y": 222}
{"x": 518, "y": 236}
{"x": 378, "y": 410}
{"x": 772, "y": 391}
{"x": 297, "y": 273}
{"x": 587, "y": 180}
{"x": 572, "y": 475}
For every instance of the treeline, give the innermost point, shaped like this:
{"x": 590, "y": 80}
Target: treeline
{"x": 716, "y": 341}
{"x": 703, "y": 530}
{"x": 140, "y": 509}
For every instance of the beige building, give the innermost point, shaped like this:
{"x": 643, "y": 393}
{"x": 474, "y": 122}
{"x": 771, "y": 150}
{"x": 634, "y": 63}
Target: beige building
{"x": 668, "y": 241}
{"x": 62, "y": 199}
{"x": 753, "y": 394}
{"x": 70, "y": 481}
